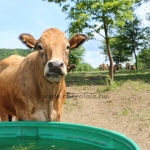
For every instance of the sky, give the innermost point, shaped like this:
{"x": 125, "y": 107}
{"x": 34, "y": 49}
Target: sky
{"x": 35, "y": 16}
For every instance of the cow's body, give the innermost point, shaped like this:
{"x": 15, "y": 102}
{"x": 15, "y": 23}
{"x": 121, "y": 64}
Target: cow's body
{"x": 7, "y": 67}
{"x": 100, "y": 67}
{"x": 132, "y": 67}
{"x": 103, "y": 67}
{"x": 3, "y": 115}
{"x": 118, "y": 67}
{"x": 30, "y": 91}
{"x": 33, "y": 88}
{"x": 128, "y": 66}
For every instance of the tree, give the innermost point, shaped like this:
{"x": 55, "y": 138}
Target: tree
{"x": 118, "y": 49}
{"x": 133, "y": 36}
{"x": 4, "y": 53}
{"x": 94, "y": 16}
{"x": 75, "y": 56}
{"x": 84, "y": 67}
{"x": 140, "y": 2}
{"x": 144, "y": 57}
{"x": 119, "y": 52}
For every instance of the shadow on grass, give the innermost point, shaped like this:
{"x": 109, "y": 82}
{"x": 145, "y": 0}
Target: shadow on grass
{"x": 99, "y": 78}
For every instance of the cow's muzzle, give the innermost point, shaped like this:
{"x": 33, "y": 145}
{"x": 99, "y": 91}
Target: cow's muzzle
{"x": 55, "y": 70}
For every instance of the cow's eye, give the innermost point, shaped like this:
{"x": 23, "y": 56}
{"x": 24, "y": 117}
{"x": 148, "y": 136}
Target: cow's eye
{"x": 39, "y": 47}
{"x": 68, "y": 47}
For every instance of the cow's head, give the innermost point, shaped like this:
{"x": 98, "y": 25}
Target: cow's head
{"x": 53, "y": 49}
{"x": 70, "y": 67}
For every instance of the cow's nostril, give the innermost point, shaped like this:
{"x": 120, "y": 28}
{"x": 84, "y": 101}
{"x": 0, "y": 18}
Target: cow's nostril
{"x": 50, "y": 64}
{"x": 61, "y": 65}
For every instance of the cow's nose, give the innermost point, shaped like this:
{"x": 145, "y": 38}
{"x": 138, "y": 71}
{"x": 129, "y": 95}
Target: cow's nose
{"x": 55, "y": 64}
{"x": 56, "y": 67}
{"x": 50, "y": 64}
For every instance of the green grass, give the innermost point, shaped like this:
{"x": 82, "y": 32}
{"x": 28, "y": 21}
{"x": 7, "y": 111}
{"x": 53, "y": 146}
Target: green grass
{"x": 137, "y": 85}
{"x": 100, "y": 78}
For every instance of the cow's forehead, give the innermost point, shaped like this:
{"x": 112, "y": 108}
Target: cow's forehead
{"x": 53, "y": 33}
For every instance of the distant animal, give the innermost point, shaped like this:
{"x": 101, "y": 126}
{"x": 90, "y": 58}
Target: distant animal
{"x": 132, "y": 67}
{"x": 71, "y": 67}
{"x": 100, "y": 67}
{"x": 33, "y": 87}
{"x": 128, "y": 66}
{"x": 103, "y": 67}
{"x": 118, "y": 67}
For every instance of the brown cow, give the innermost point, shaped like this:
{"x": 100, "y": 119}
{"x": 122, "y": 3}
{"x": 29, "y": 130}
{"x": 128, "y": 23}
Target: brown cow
{"x": 127, "y": 66}
{"x": 71, "y": 67}
{"x": 118, "y": 67}
{"x": 34, "y": 88}
{"x": 132, "y": 67}
{"x": 100, "y": 67}
{"x": 3, "y": 115}
{"x": 103, "y": 66}
{"x": 9, "y": 62}
{"x": 6, "y": 117}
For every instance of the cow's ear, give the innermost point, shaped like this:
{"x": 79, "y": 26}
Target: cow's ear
{"x": 77, "y": 40}
{"x": 28, "y": 40}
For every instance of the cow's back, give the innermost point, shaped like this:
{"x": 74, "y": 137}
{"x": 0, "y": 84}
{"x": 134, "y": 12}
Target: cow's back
{"x": 8, "y": 68}
{"x": 13, "y": 60}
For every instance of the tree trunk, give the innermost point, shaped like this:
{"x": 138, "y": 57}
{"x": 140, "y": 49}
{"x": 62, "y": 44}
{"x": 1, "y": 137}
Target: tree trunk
{"x": 109, "y": 53}
{"x": 136, "y": 63}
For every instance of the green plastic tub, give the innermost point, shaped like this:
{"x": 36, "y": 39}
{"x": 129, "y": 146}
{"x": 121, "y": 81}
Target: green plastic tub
{"x": 60, "y": 136}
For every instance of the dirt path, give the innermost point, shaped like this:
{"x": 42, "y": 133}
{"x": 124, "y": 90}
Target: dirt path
{"x": 126, "y": 110}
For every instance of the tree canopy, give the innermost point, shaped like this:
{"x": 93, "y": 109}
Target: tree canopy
{"x": 76, "y": 56}
{"x": 4, "y": 53}
{"x": 129, "y": 39}
{"x": 92, "y": 16}
{"x": 144, "y": 58}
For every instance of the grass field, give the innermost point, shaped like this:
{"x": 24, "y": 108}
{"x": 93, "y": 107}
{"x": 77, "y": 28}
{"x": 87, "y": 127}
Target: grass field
{"x": 124, "y": 106}
{"x": 99, "y": 78}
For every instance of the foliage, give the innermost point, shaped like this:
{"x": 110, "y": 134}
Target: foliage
{"x": 144, "y": 57}
{"x": 4, "y": 53}
{"x": 110, "y": 85}
{"x": 84, "y": 67}
{"x": 75, "y": 56}
{"x": 90, "y": 15}
{"x": 140, "y": 2}
{"x": 132, "y": 37}
{"x": 93, "y": 16}
{"x": 118, "y": 49}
